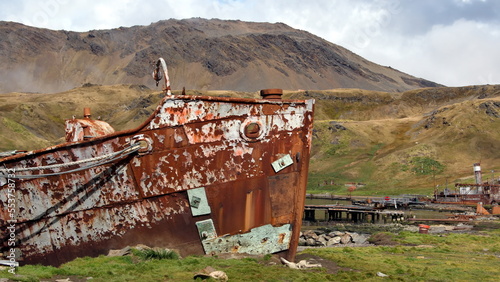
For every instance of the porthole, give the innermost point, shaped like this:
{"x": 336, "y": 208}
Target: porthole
{"x": 252, "y": 129}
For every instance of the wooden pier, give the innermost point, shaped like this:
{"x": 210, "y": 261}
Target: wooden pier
{"x": 352, "y": 213}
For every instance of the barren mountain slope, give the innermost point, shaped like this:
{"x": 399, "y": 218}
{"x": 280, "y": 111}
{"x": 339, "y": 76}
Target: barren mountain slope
{"x": 203, "y": 54}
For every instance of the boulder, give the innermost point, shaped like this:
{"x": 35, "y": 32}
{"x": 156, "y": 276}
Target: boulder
{"x": 310, "y": 242}
{"x": 333, "y": 241}
{"x": 302, "y": 241}
{"x": 345, "y": 239}
{"x": 321, "y": 241}
{"x": 359, "y": 238}
{"x": 335, "y": 233}
{"x": 310, "y": 234}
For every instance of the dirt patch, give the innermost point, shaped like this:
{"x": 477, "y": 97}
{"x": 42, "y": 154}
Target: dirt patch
{"x": 486, "y": 225}
{"x": 330, "y": 266}
{"x": 382, "y": 238}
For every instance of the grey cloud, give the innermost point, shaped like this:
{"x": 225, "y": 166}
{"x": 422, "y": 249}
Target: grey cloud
{"x": 418, "y": 17}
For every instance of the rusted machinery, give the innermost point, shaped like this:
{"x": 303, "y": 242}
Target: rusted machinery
{"x": 465, "y": 193}
{"x": 202, "y": 175}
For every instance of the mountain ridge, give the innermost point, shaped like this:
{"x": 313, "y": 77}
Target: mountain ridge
{"x": 202, "y": 54}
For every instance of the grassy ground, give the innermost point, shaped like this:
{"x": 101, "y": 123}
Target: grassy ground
{"x": 422, "y": 257}
{"x": 405, "y": 256}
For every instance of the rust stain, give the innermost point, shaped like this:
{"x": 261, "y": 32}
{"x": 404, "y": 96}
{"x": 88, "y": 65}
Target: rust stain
{"x": 86, "y": 128}
{"x": 281, "y": 238}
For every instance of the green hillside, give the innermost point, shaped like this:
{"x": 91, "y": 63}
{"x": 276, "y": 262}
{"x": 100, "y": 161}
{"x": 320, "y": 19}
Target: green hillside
{"x": 394, "y": 143}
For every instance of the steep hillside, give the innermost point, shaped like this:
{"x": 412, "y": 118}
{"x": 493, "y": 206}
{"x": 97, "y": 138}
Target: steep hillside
{"x": 383, "y": 144}
{"x": 203, "y": 54}
{"x": 394, "y": 143}
{"x": 29, "y": 121}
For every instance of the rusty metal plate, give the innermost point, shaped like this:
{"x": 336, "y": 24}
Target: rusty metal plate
{"x": 281, "y": 194}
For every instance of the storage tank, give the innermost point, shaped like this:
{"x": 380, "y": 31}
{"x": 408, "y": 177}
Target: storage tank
{"x": 479, "y": 177}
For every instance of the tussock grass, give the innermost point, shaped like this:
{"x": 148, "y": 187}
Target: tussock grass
{"x": 148, "y": 254}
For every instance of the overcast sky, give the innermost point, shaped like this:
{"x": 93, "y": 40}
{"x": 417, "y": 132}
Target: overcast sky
{"x": 452, "y": 42}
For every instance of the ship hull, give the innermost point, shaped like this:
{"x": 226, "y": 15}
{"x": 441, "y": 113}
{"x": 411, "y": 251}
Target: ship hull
{"x": 202, "y": 175}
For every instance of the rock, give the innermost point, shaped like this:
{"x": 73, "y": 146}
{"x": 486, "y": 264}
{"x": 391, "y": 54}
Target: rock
{"x": 321, "y": 241}
{"x": 359, "y": 238}
{"x": 491, "y": 108}
{"x": 320, "y": 238}
{"x": 335, "y": 233}
{"x": 335, "y": 127}
{"x": 310, "y": 234}
{"x": 302, "y": 241}
{"x": 345, "y": 239}
{"x": 119, "y": 253}
{"x": 310, "y": 242}
{"x": 333, "y": 241}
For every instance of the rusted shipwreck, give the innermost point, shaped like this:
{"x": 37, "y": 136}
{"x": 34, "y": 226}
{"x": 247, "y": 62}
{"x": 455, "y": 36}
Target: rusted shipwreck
{"x": 202, "y": 175}
{"x": 487, "y": 193}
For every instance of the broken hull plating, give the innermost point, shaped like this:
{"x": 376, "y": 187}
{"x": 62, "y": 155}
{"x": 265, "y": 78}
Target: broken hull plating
{"x": 212, "y": 175}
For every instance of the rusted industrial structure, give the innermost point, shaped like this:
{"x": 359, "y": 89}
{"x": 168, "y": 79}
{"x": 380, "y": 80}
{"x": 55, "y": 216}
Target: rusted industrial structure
{"x": 202, "y": 175}
{"x": 465, "y": 193}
